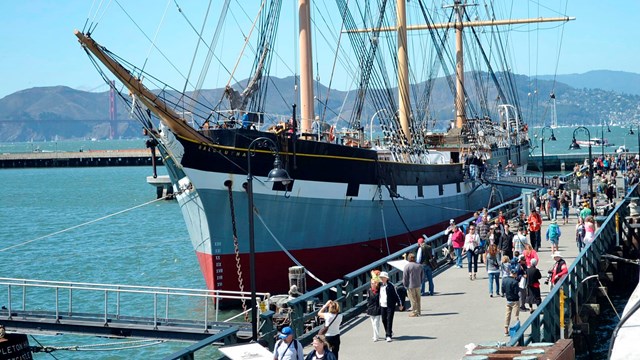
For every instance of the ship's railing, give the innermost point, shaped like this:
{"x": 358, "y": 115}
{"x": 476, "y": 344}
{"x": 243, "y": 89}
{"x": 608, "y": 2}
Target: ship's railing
{"x": 570, "y": 290}
{"x": 66, "y": 301}
{"x": 350, "y": 291}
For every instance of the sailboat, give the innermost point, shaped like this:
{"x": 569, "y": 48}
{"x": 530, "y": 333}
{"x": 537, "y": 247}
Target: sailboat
{"x": 348, "y": 200}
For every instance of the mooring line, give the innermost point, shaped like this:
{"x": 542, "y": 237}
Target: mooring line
{"x": 83, "y": 224}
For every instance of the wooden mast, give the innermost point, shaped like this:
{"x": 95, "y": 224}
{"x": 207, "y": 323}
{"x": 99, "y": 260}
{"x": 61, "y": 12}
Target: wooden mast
{"x": 306, "y": 67}
{"x": 404, "y": 104}
{"x": 459, "y": 25}
{"x": 460, "y": 98}
{"x": 169, "y": 117}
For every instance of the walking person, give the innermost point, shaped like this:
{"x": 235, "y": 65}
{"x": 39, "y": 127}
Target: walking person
{"x": 554, "y": 205}
{"x": 565, "y": 201}
{"x": 519, "y": 242}
{"x": 553, "y": 235}
{"x": 471, "y": 241}
{"x": 423, "y": 256}
{"x": 287, "y": 348}
{"x": 493, "y": 269}
{"x": 535, "y": 224}
{"x": 457, "y": 240}
{"x": 505, "y": 268}
{"x": 330, "y": 312}
{"x": 510, "y": 290}
{"x": 580, "y": 233}
{"x": 530, "y": 254}
{"x": 560, "y": 268}
{"x": 589, "y": 230}
{"x": 505, "y": 243}
{"x": 373, "y": 304}
{"x": 521, "y": 276}
{"x": 388, "y": 300}
{"x": 533, "y": 285}
{"x": 412, "y": 278}
{"x": 320, "y": 350}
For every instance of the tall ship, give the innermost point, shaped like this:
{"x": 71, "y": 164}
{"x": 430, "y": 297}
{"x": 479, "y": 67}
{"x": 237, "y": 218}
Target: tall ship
{"x": 354, "y": 180}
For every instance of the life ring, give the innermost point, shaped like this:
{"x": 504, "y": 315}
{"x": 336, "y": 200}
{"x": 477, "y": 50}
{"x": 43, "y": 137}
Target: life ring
{"x": 332, "y": 136}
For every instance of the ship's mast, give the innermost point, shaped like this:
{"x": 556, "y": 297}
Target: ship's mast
{"x": 306, "y": 67}
{"x": 404, "y": 104}
{"x": 461, "y": 116}
{"x": 401, "y": 28}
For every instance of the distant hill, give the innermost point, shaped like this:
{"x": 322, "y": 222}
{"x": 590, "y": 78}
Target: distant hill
{"x": 45, "y": 113}
{"x": 616, "y": 81}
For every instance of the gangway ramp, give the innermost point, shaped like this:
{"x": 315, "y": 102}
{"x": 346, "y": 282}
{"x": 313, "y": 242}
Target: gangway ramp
{"x": 34, "y": 306}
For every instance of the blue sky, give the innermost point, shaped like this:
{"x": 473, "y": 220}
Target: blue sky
{"x": 38, "y": 47}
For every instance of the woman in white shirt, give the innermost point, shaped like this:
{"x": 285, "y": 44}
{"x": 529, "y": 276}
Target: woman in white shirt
{"x": 332, "y": 319}
{"x": 471, "y": 241}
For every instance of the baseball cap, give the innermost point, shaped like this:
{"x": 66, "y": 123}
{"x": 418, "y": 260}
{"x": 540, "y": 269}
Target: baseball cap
{"x": 286, "y": 331}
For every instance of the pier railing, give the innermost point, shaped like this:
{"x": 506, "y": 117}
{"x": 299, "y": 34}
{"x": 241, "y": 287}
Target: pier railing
{"x": 547, "y": 323}
{"x": 350, "y": 291}
{"x": 192, "y": 311}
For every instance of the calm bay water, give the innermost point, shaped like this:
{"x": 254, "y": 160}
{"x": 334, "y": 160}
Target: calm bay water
{"x": 146, "y": 246}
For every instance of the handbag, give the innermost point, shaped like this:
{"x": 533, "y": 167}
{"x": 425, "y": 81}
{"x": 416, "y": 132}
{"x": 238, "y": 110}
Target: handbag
{"x": 433, "y": 263}
{"x": 326, "y": 327}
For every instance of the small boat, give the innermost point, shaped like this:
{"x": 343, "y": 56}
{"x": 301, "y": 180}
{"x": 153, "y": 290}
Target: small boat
{"x": 595, "y": 142}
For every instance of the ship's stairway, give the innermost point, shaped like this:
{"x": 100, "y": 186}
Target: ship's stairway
{"x": 35, "y": 306}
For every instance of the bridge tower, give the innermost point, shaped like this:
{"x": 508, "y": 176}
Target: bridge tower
{"x": 113, "y": 124}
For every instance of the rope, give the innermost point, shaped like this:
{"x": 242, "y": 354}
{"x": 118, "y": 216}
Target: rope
{"x": 285, "y": 250}
{"x": 95, "y": 347}
{"x": 384, "y": 227}
{"x": 83, "y": 224}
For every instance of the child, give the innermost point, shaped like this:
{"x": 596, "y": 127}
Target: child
{"x": 553, "y": 235}
{"x": 505, "y": 268}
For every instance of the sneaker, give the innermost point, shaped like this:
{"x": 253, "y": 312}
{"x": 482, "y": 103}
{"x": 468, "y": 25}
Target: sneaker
{"x": 413, "y": 315}
{"x": 375, "y": 339}
{"x": 388, "y": 339}
{"x": 490, "y": 295}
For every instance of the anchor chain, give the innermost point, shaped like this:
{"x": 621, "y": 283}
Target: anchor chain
{"x": 236, "y": 249}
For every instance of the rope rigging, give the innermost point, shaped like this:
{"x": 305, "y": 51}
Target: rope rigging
{"x": 84, "y": 224}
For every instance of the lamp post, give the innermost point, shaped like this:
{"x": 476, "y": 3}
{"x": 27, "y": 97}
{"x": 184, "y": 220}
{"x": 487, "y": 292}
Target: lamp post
{"x": 552, "y": 138}
{"x": 602, "y": 140}
{"x": 574, "y": 145}
{"x": 275, "y": 175}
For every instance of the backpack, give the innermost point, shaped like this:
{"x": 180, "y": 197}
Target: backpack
{"x": 553, "y": 231}
{"x": 295, "y": 344}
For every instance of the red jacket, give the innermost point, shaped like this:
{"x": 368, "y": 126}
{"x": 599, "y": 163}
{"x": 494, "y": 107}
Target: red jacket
{"x": 535, "y": 221}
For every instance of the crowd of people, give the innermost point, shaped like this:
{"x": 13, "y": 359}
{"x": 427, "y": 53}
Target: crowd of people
{"x": 508, "y": 249}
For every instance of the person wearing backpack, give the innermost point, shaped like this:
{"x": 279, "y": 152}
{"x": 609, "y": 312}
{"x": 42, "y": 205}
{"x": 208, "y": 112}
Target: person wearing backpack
{"x": 288, "y": 348}
{"x": 553, "y": 235}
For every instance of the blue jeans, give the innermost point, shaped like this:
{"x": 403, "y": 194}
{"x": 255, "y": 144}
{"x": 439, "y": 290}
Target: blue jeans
{"x": 554, "y": 213}
{"x": 494, "y": 277}
{"x": 471, "y": 257}
{"x": 565, "y": 212}
{"x": 458, "y": 252}
{"x": 428, "y": 276}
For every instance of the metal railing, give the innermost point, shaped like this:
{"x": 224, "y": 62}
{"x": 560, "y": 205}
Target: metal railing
{"x": 350, "y": 291}
{"x": 57, "y": 302}
{"x": 547, "y": 321}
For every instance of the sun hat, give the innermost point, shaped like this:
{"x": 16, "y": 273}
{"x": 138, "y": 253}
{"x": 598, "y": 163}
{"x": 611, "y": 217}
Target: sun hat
{"x": 557, "y": 254}
{"x": 383, "y": 275}
{"x": 286, "y": 331}
{"x": 554, "y": 221}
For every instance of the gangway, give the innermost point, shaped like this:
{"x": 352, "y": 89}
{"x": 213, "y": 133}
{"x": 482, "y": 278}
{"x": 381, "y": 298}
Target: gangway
{"x": 180, "y": 314}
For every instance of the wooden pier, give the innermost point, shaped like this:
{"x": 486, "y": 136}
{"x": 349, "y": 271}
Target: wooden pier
{"x": 92, "y": 158}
